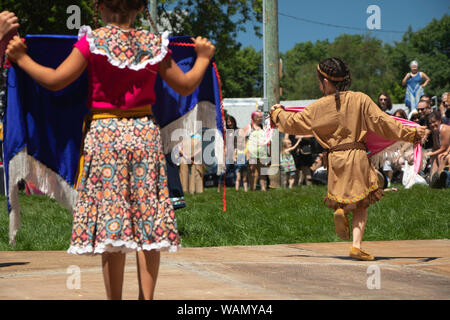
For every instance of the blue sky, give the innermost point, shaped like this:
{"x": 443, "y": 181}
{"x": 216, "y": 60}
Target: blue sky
{"x": 396, "y": 15}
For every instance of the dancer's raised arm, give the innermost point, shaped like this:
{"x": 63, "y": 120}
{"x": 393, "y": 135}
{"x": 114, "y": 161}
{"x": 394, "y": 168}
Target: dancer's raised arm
{"x": 298, "y": 123}
{"x": 53, "y": 79}
{"x": 186, "y": 83}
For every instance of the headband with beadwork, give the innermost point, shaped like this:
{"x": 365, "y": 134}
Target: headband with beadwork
{"x": 330, "y": 77}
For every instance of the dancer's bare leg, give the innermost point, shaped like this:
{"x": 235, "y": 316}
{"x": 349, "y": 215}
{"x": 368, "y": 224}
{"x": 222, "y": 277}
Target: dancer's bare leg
{"x": 359, "y": 224}
{"x": 113, "y": 265}
{"x": 148, "y": 267}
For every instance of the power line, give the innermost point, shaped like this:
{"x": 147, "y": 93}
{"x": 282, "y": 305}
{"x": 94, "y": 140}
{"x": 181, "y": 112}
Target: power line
{"x": 337, "y": 26}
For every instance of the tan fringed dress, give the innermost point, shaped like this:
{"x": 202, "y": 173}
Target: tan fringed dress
{"x": 352, "y": 179}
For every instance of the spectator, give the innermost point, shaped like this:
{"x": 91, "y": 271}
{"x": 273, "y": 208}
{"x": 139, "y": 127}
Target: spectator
{"x": 303, "y": 156}
{"x": 241, "y": 160}
{"x": 258, "y": 155}
{"x": 231, "y": 126}
{"x": 424, "y": 109}
{"x": 441, "y": 144}
{"x": 400, "y": 113}
{"x": 319, "y": 172}
{"x": 414, "y": 86}
{"x": 441, "y": 178}
{"x": 445, "y": 109}
{"x": 427, "y": 98}
{"x": 191, "y": 167}
{"x": 287, "y": 162}
{"x": 384, "y": 102}
{"x": 415, "y": 117}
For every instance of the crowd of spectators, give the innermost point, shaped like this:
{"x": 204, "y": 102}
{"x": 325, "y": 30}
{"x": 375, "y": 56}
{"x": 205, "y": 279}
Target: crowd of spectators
{"x": 301, "y": 157}
{"x": 397, "y": 167}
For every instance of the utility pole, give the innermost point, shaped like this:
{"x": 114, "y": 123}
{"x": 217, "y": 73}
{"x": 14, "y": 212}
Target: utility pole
{"x": 153, "y": 8}
{"x": 271, "y": 54}
{"x": 272, "y": 80}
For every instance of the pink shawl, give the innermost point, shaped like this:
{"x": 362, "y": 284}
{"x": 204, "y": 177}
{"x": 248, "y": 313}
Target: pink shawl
{"x": 376, "y": 144}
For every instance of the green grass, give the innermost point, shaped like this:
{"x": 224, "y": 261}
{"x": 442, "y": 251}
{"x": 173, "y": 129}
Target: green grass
{"x": 253, "y": 218}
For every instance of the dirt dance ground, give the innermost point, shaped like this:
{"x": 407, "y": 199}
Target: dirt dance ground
{"x": 402, "y": 270}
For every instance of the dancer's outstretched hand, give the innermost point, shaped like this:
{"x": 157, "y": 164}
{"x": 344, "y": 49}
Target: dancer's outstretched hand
{"x": 275, "y": 107}
{"x": 421, "y": 132}
{"x": 8, "y": 23}
{"x": 204, "y": 47}
{"x": 16, "y": 49}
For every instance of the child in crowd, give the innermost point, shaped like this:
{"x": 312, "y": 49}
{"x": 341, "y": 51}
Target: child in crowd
{"x": 287, "y": 162}
{"x": 241, "y": 157}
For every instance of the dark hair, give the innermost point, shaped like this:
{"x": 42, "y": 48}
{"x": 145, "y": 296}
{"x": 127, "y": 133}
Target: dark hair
{"x": 233, "y": 121}
{"x": 434, "y": 115}
{"x": 402, "y": 114}
{"x": 388, "y": 100}
{"x": 427, "y": 102}
{"x": 415, "y": 116}
{"x": 122, "y": 7}
{"x": 335, "y": 68}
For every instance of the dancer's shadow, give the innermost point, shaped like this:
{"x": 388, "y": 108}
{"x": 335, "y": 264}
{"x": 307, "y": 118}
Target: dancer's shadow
{"x": 10, "y": 264}
{"x": 421, "y": 259}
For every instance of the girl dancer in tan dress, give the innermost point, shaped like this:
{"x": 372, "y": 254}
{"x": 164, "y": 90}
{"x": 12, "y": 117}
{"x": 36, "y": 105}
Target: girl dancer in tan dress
{"x": 340, "y": 122}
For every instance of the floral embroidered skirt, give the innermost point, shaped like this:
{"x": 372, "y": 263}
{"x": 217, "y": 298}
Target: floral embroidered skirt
{"x": 123, "y": 197}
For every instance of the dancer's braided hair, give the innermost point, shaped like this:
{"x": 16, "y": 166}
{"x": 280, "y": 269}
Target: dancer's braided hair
{"x": 338, "y": 73}
{"x": 122, "y": 7}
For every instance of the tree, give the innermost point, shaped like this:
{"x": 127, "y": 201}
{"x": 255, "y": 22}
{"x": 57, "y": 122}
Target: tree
{"x": 364, "y": 55}
{"x": 245, "y": 75}
{"x": 430, "y": 46}
{"x": 220, "y": 21}
{"x": 374, "y": 67}
{"x": 47, "y": 16}
{"x": 299, "y": 76}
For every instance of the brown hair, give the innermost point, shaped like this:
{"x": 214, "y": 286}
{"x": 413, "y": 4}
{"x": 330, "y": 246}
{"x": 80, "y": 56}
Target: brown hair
{"x": 388, "y": 100}
{"x": 335, "y": 68}
{"x": 122, "y": 7}
{"x": 434, "y": 115}
{"x": 402, "y": 114}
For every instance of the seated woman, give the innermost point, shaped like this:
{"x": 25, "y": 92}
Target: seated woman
{"x": 441, "y": 148}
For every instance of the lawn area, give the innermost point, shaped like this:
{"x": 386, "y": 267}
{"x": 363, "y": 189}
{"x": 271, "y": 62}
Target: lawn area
{"x": 254, "y": 218}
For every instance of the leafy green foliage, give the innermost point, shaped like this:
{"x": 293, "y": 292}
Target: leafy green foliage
{"x": 374, "y": 67}
{"x": 220, "y": 21}
{"x": 47, "y": 16}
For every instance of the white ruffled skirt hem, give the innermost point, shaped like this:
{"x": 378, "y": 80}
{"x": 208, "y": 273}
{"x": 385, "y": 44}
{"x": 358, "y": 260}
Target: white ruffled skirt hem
{"x": 123, "y": 247}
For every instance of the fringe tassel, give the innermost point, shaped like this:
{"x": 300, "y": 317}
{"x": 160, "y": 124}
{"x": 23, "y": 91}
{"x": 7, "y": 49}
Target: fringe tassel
{"x": 203, "y": 115}
{"x": 399, "y": 151}
{"x": 24, "y": 167}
